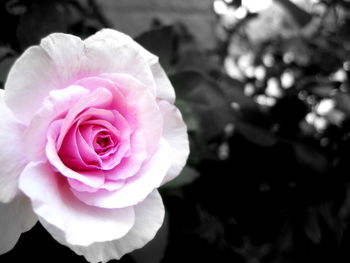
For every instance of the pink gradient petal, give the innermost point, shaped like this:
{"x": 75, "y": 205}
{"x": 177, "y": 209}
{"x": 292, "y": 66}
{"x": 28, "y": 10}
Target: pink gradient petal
{"x": 55, "y": 105}
{"x": 112, "y": 185}
{"x": 57, "y": 208}
{"x": 149, "y": 117}
{"x": 100, "y": 97}
{"x": 130, "y": 165}
{"x": 70, "y": 153}
{"x": 175, "y": 133}
{"x": 136, "y": 189}
{"x": 94, "y": 178}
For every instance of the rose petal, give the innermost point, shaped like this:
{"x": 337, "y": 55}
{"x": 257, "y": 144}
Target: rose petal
{"x": 93, "y": 178}
{"x": 164, "y": 89}
{"x": 136, "y": 188}
{"x": 130, "y": 165}
{"x": 127, "y": 56}
{"x": 12, "y": 160}
{"x": 57, "y": 208}
{"x": 149, "y": 118}
{"x": 16, "y": 217}
{"x": 62, "y": 59}
{"x": 25, "y": 97}
{"x": 57, "y": 103}
{"x": 100, "y": 97}
{"x": 149, "y": 216}
{"x": 175, "y": 133}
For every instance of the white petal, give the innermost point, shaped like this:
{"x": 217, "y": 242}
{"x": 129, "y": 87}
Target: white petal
{"x": 62, "y": 59}
{"x": 163, "y": 87}
{"x": 12, "y": 160}
{"x": 136, "y": 188}
{"x": 175, "y": 133}
{"x": 57, "y": 208}
{"x": 28, "y": 82}
{"x": 16, "y": 217}
{"x": 149, "y": 216}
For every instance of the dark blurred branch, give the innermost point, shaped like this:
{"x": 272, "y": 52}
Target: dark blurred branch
{"x": 300, "y": 16}
{"x": 98, "y": 13}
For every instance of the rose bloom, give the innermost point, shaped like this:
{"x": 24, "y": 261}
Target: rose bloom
{"x": 88, "y": 132}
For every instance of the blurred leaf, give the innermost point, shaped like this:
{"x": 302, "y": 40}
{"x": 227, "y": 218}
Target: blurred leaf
{"x": 41, "y": 19}
{"x": 343, "y": 102}
{"x": 256, "y": 134}
{"x": 187, "y": 176}
{"x": 312, "y": 227}
{"x": 161, "y": 42}
{"x": 323, "y": 89}
{"x": 310, "y": 157}
{"x": 205, "y": 99}
{"x": 189, "y": 116}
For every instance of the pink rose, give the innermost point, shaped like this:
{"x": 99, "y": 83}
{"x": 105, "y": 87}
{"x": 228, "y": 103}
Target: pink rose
{"x": 88, "y": 132}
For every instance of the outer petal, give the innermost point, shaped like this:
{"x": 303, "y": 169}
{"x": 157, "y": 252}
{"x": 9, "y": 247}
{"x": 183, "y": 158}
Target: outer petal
{"x": 29, "y": 81}
{"x": 149, "y": 216}
{"x": 16, "y": 217}
{"x": 57, "y": 208}
{"x": 136, "y": 188}
{"x": 163, "y": 87}
{"x": 62, "y": 59}
{"x": 175, "y": 133}
{"x": 12, "y": 160}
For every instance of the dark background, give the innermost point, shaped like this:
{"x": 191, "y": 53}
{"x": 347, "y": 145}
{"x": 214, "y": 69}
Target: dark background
{"x": 268, "y": 115}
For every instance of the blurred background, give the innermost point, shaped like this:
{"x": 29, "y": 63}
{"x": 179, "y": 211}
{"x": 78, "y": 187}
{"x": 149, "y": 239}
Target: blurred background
{"x": 264, "y": 89}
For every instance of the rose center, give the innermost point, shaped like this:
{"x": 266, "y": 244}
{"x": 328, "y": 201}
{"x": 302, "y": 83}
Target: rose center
{"x": 103, "y": 142}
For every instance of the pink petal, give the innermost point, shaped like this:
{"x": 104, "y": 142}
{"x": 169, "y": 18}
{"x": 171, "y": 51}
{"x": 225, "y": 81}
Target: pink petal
{"x": 149, "y": 216}
{"x": 130, "y": 165}
{"x": 93, "y": 178}
{"x": 12, "y": 159}
{"x": 57, "y": 208}
{"x": 57, "y": 103}
{"x": 16, "y": 217}
{"x": 101, "y": 97}
{"x": 136, "y": 188}
{"x": 175, "y": 133}
{"x": 149, "y": 118}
